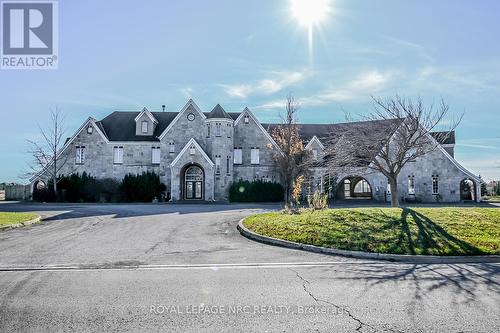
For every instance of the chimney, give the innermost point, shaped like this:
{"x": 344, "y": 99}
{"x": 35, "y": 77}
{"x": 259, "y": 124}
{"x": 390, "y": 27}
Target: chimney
{"x": 163, "y": 107}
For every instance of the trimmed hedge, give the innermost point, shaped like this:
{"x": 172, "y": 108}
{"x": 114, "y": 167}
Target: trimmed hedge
{"x": 256, "y": 191}
{"x": 86, "y": 188}
{"x": 144, "y": 187}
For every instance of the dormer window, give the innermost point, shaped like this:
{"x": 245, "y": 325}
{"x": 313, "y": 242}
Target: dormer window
{"x": 246, "y": 119}
{"x": 90, "y": 129}
{"x": 144, "y": 127}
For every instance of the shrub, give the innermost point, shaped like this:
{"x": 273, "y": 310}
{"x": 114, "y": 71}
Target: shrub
{"x": 255, "y": 191}
{"x": 144, "y": 187}
{"x": 317, "y": 201}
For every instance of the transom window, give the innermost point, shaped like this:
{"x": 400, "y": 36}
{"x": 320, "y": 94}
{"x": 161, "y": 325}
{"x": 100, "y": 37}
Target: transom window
{"x": 194, "y": 173}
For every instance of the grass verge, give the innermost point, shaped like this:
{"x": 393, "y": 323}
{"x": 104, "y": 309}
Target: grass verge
{"x": 13, "y": 218}
{"x": 431, "y": 231}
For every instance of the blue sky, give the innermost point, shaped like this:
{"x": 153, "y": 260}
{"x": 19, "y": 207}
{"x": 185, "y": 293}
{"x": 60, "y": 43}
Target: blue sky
{"x": 124, "y": 55}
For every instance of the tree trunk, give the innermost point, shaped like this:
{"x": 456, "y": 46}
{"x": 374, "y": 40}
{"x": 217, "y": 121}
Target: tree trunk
{"x": 393, "y": 183}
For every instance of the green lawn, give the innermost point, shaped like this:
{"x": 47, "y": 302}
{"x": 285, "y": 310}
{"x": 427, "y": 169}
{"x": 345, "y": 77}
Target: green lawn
{"x": 435, "y": 231}
{"x": 13, "y": 218}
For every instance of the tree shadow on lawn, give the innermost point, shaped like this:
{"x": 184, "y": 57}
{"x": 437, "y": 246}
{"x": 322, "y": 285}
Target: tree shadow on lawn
{"x": 411, "y": 233}
{"x": 431, "y": 238}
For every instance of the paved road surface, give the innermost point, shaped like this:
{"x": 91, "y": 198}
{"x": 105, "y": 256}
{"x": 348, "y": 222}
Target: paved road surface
{"x": 196, "y": 273}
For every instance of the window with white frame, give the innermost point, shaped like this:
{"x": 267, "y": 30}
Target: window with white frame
{"x": 217, "y": 164}
{"x": 238, "y": 155}
{"x": 80, "y": 154}
{"x": 411, "y": 185}
{"x": 118, "y": 155}
{"x": 171, "y": 147}
{"x": 254, "y": 156}
{"x": 90, "y": 129}
{"x": 192, "y": 150}
{"x": 246, "y": 118}
{"x": 435, "y": 184}
{"x": 217, "y": 129}
{"x": 155, "y": 155}
{"x": 144, "y": 127}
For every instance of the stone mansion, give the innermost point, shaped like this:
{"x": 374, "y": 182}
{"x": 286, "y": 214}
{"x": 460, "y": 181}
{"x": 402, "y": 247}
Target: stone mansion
{"x": 199, "y": 154}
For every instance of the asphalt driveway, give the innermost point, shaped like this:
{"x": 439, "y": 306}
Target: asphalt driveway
{"x": 195, "y": 271}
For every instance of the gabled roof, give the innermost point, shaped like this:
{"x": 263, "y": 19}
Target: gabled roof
{"x": 218, "y": 112}
{"x": 192, "y": 142}
{"x": 120, "y": 125}
{"x": 147, "y": 113}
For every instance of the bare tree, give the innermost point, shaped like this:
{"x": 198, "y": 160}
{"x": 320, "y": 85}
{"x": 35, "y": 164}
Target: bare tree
{"x": 291, "y": 160}
{"x": 396, "y": 132}
{"x": 45, "y": 154}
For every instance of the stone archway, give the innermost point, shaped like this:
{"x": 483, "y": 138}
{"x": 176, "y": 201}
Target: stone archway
{"x": 467, "y": 190}
{"x": 355, "y": 187}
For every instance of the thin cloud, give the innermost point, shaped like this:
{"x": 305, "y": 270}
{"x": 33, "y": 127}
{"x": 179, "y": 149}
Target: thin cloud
{"x": 276, "y": 82}
{"x": 360, "y": 87}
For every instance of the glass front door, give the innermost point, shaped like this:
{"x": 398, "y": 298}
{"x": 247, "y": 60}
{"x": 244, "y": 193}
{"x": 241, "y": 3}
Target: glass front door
{"x": 193, "y": 183}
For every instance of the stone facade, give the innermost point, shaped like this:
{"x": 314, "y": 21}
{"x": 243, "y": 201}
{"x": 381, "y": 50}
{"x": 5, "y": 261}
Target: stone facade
{"x": 209, "y": 141}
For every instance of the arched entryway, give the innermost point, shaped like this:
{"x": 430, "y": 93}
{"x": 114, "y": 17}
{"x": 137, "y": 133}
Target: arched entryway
{"x": 355, "y": 187}
{"x": 193, "y": 182}
{"x": 467, "y": 190}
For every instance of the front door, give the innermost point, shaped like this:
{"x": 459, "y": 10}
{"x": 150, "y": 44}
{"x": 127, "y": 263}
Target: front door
{"x": 193, "y": 190}
{"x": 193, "y": 183}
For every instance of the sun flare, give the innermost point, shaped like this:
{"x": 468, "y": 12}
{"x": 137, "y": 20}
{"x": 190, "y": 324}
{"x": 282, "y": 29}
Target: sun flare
{"x": 310, "y": 12}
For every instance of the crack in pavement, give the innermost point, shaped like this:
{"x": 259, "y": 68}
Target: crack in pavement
{"x": 360, "y": 323}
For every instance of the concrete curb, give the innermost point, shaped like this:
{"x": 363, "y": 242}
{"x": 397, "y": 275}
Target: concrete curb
{"x": 22, "y": 224}
{"x": 421, "y": 259}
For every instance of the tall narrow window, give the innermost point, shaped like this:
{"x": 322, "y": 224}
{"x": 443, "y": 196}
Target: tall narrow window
{"x": 144, "y": 126}
{"x": 217, "y": 164}
{"x": 118, "y": 155}
{"x": 238, "y": 155}
{"x": 347, "y": 188}
{"x": 229, "y": 130}
{"x": 171, "y": 147}
{"x": 315, "y": 154}
{"x": 208, "y": 130}
{"x": 254, "y": 156}
{"x": 227, "y": 165}
{"x": 80, "y": 155}
{"x": 217, "y": 129}
{"x": 155, "y": 155}
{"x": 411, "y": 185}
{"x": 435, "y": 184}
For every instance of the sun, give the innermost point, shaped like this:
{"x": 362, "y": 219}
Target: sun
{"x": 310, "y": 12}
